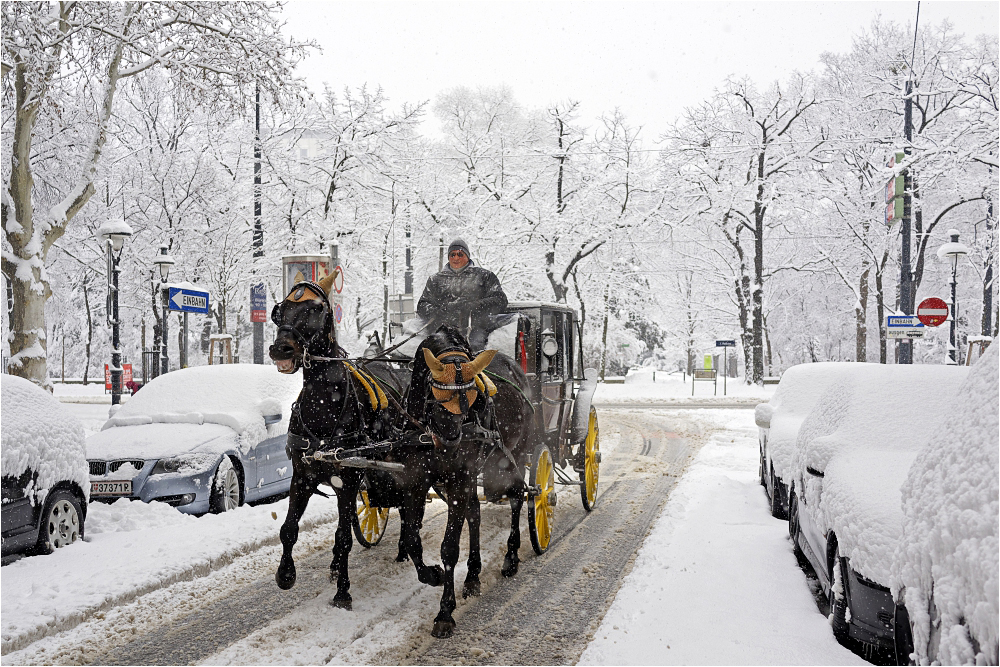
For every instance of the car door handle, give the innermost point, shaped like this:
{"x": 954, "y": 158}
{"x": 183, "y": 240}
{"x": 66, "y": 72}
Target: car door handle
{"x": 814, "y": 472}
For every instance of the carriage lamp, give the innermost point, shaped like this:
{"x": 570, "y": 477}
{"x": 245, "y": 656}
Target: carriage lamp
{"x": 113, "y": 234}
{"x": 549, "y": 345}
{"x": 163, "y": 261}
{"x": 953, "y": 251}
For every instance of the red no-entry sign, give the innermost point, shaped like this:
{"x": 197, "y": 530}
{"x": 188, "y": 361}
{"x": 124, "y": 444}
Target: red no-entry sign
{"x": 932, "y": 311}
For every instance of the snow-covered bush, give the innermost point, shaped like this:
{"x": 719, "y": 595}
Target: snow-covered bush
{"x": 947, "y": 561}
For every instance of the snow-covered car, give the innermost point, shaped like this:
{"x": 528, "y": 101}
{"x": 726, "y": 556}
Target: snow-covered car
{"x": 44, "y": 470}
{"x": 204, "y": 439}
{"x": 851, "y": 457}
{"x": 948, "y": 559}
{"x": 778, "y": 423}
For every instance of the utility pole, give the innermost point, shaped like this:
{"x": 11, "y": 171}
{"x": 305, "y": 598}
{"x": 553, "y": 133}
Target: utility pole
{"x": 258, "y": 229}
{"x": 905, "y": 271}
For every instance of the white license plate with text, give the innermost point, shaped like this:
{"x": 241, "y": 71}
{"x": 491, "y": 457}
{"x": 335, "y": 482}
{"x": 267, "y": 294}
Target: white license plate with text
{"x": 111, "y": 488}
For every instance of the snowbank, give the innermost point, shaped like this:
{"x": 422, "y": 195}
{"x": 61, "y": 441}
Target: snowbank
{"x": 233, "y": 395}
{"x": 38, "y": 433}
{"x": 949, "y": 548}
{"x": 863, "y": 434}
{"x": 798, "y": 392}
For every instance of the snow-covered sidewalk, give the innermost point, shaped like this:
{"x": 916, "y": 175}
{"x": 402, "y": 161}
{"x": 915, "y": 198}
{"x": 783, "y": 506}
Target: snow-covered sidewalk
{"x": 716, "y": 581}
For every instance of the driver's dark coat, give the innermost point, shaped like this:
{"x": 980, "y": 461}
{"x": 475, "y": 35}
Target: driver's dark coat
{"x": 451, "y": 296}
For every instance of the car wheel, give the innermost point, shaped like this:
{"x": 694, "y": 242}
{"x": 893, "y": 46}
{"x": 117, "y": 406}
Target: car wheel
{"x": 761, "y": 468}
{"x": 61, "y": 523}
{"x": 793, "y": 526}
{"x": 225, "y": 488}
{"x": 777, "y": 508}
{"x": 840, "y": 598}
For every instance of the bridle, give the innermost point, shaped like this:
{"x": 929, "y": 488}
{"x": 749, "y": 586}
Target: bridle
{"x": 455, "y": 356}
{"x": 278, "y": 317}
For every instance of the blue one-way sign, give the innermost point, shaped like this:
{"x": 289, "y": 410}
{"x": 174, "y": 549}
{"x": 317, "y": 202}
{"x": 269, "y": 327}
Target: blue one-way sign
{"x": 188, "y": 300}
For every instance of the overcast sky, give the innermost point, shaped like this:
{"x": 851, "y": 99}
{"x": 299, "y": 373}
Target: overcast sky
{"x": 651, "y": 59}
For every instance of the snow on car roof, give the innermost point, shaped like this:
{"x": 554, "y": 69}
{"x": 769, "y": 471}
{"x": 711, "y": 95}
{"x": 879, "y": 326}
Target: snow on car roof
{"x": 40, "y": 434}
{"x": 951, "y": 509}
{"x": 799, "y": 390}
{"x": 233, "y": 395}
{"x": 863, "y": 434}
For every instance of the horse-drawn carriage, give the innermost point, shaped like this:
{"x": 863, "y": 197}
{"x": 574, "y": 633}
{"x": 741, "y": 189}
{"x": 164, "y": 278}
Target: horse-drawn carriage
{"x": 515, "y": 419}
{"x": 547, "y": 343}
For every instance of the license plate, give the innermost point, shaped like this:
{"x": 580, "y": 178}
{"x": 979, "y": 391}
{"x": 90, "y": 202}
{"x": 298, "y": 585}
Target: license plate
{"x": 115, "y": 488}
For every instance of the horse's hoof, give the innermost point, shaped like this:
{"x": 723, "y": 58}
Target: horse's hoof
{"x": 443, "y": 629}
{"x": 401, "y": 557}
{"x": 285, "y": 577}
{"x": 509, "y": 568}
{"x": 432, "y": 575}
{"x": 341, "y": 603}
{"x": 471, "y": 589}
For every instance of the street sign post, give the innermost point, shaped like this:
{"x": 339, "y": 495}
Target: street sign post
{"x": 932, "y": 312}
{"x": 904, "y": 326}
{"x": 725, "y": 345}
{"x": 258, "y": 303}
{"x": 188, "y": 300}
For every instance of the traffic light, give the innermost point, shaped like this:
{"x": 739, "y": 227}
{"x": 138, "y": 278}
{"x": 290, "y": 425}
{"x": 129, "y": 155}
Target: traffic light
{"x": 894, "y": 193}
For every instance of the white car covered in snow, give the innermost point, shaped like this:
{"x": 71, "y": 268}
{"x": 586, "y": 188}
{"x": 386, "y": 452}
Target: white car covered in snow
{"x": 852, "y": 455}
{"x": 778, "y": 423}
{"x": 44, "y": 470}
{"x": 946, "y": 568}
{"x": 201, "y": 439}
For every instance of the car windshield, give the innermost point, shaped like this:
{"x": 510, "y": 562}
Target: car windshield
{"x": 235, "y": 395}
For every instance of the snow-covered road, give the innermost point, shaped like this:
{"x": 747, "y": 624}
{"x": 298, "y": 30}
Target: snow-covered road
{"x": 716, "y": 581}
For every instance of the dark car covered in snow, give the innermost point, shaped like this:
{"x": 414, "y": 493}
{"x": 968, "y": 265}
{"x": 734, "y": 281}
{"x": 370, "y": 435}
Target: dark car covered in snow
{"x": 45, "y": 485}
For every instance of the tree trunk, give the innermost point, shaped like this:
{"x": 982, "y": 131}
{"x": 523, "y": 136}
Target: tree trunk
{"x": 758, "y": 276}
{"x": 880, "y": 311}
{"x": 604, "y": 336}
{"x": 90, "y": 332}
{"x": 987, "y": 327}
{"x": 861, "y": 317}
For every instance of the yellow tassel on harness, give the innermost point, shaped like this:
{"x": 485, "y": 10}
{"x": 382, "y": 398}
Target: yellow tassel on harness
{"x": 375, "y": 393}
{"x": 485, "y": 384}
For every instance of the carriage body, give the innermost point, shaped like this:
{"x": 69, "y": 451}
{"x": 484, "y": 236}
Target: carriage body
{"x": 549, "y": 349}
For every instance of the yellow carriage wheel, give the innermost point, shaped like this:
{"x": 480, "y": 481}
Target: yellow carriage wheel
{"x": 541, "y": 506}
{"x": 591, "y": 462}
{"x": 370, "y": 522}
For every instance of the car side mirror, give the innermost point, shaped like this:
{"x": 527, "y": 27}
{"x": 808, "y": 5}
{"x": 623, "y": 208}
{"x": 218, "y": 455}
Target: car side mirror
{"x": 272, "y": 419}
{"x": 762, "y": 415}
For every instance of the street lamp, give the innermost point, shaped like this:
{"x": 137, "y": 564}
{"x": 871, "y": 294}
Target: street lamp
{"x": 953, "y": 251}
{"x": 113, "y": 234}
{"x": 164, "y": 261}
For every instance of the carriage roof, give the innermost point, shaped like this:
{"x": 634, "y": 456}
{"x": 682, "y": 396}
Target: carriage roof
{"x": 546, "y": 305}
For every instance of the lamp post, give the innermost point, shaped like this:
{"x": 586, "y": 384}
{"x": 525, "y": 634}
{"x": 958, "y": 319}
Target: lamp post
{"x": 164, "y": 261}
{"x": 953, "y": 251}
{"x": 113, "y": 235}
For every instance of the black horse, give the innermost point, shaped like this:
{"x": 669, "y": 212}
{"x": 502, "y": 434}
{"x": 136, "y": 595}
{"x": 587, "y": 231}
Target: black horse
{"x": 339, "y": 407}
{"x": 476, "y": 425}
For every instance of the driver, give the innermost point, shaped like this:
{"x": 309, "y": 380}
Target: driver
{"x": 463, "y": 295}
